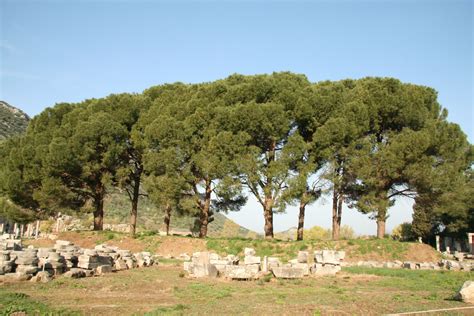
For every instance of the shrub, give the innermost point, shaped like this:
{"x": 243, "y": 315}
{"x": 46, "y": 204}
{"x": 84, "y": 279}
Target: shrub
{"x": 403, "y": 232}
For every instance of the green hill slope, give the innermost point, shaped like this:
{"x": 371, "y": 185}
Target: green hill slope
{"x": 117, "y": 210}
{"x": 12, "y": 120}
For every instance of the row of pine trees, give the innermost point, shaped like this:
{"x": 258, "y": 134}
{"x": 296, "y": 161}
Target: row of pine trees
{"x": 202, "y": 148}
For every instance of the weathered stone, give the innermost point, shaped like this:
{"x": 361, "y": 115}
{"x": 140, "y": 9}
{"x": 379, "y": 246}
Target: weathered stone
{"x": 319, "y": 269}
{"x": 201, "y": 258}
{"x": 302, "y": 266}
{"x": 466, "y": 293}
{"x": 42, "y": 277}
{"x": 452, "y": 265}
{"x": 18, "y": 276}
{"x": 26, "y": 269}
{"x": 214, "y": 256}
{"x": 247, "y": 272}
{"x": 204, "y": 270}
{"x": 6, "y": 267}
{"x": 130, "y": 262}
{"x": 75, "y": 273}
{"x": 273, "y": 262}
{"x": 27, "y": 260}
{"x": 120, "y": 264}
{"x": 88, "y": 259}
{"x": 252, "y": 260}
{"x": 188, "y": 266}
{"x": 90, "y": 252}
{"x": 303, "y": 257}
{"x": 329, "y": 256}
{"x": 232, "y": 259}
{"x": 103, "y": 269}
{"x": 409, "y": 265}
{"x": 249, "y": 252}
{"x": 64, "y": 243}
{"x": 264, "y": 265}
{"x": 288, "y": 272}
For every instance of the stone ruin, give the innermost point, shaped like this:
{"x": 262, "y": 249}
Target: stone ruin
{"x": 459, "y": 263}
{"x": 65, "y": 258}
{"x": 206, "y": 264}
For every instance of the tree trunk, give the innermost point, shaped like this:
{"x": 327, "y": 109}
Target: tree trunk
{"x": 167, "y": 219}
{"x": 268, "y": 214}
{"x": 381, "y": 227}
{"x": 301, "y": 221}
{"x": 381, "y": 218}
{"x": 204, "y": 218}
{"x": 135, "y": 197}
{"x": 99, "y": 207}
{"x": 335, "y": 222}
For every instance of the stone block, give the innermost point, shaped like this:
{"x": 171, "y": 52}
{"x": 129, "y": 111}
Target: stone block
{"x": 232, "y": 259}
{"x": 249, "y": 252}
{"x": 28, "y": 260}
{"x": 329, "y": 256}
{"x": 319, "y": 269}
{"x": 252, "y": 260}
{"x": 103, "y": 269}
{"x": 409, "y": 265}
{"x": 302, "y": 257}
{"x": 214, "y": 256}
{"x": 26, "y": 269}
{"x": 63, "y": 243}
{"x": 75, "y": 273}
{"x": 235, "y": 272}
{"x": 204, "y": 270}
{"x": 120, "y": 264}
{"x": 273, "y": 262}
{"x": 288, "y": 272}
{"x": 201, "y": 258}
{"x": 42, "y": 277}
{"x": 188, "y": 267}
{"x": 466, "y": 293}
{"x": 304, "y": 266}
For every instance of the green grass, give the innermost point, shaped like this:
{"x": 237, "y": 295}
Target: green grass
{"x": 178, "y": 309}
{"x": 416, "y": 280}
{"x": 385, "y": 247}
{"x": 390, "y": 249}
{"x": 12, "y": 302}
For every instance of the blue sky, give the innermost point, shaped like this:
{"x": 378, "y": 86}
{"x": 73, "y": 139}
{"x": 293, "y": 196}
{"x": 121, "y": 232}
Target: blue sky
{"x": 67, "y": 51}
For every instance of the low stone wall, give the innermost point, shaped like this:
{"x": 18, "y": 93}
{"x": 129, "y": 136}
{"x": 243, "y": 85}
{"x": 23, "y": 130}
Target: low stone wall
{"x": 206, "y": 264}
{"x": 43, "y": 264}
{"x": 444, "y": 264}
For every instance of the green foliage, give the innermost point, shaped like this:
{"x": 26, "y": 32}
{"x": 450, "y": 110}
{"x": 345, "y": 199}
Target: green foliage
{"x": 403, "y": 232}
{"x": 196, "y": 147}
{"x": 320, "y": 233}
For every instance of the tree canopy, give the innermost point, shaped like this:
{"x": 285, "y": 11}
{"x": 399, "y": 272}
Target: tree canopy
{"x": 197, "y": 149}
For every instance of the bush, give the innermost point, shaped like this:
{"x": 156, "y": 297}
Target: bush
{"x": 403, "y": 232}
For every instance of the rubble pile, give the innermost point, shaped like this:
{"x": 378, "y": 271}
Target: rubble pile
{"x": 205, "y": 264}
{"x": 65, "y": 258}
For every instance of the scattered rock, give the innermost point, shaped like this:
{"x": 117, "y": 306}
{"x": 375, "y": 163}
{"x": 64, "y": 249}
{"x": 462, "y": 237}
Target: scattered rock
{"x": 466, "y": 293}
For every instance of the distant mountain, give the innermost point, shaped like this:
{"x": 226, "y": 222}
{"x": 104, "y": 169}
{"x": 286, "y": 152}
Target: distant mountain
{"x": 12, "y": 120}
{"x": 289, "y": 234}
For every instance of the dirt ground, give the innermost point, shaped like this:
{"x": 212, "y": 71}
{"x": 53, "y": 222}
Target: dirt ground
{"x": 163, "y": 290}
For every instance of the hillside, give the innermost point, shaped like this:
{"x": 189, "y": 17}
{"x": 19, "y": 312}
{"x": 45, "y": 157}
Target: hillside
{"x": 12, "y": 120}
{"x": 117, "y": 210}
